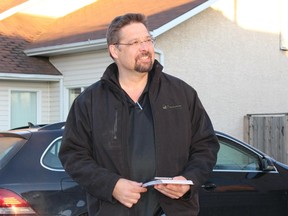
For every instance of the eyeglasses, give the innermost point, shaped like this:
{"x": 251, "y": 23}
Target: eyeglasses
{"x": 137, "y": 43}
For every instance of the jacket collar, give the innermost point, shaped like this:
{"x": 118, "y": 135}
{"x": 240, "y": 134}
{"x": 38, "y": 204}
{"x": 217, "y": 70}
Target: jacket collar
{"x": 111, "y": 75}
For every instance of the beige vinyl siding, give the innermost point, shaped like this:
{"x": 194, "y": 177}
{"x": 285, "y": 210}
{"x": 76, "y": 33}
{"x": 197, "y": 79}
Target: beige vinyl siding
{"x": 4, "y": 105}
{"x": 56, "y": 107}
{"x": 44, "y": 101}
{"x": 80, "y": 71}
{"x": 83, "y": 69}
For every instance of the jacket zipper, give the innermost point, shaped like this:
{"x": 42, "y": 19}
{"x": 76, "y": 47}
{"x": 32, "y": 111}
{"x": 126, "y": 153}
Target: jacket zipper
{"x": 115, "y": 124}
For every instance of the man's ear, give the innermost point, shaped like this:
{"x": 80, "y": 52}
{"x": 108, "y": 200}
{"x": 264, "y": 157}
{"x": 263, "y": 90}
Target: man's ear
{"x": 113, "y": 51}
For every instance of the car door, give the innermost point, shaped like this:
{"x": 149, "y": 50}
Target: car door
{"x": 242, "y": 184}
{"x": 72, "y": 196}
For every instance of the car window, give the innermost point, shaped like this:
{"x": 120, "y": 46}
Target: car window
{"x": 9, "y": 145}
{"x": 50, "y": 159}
{"x": 235, "y": 157}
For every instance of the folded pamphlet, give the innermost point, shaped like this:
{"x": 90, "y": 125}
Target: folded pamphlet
{"x": 166, "y": 180}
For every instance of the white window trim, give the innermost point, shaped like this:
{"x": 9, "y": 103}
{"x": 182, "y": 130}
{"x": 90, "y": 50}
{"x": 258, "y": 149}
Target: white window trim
{"x": 39, "y": 102}
{"x": 66, "y": 99}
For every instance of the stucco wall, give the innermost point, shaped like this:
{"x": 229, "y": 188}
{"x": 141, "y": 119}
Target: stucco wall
{"x": 236, "y": 70}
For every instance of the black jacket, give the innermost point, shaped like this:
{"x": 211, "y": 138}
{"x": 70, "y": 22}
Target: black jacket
{"x": 94, "y": 146}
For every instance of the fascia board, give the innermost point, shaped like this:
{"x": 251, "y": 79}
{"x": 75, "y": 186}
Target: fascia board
{"x": 182, "y": 18}
{"x": 68, "y": 48}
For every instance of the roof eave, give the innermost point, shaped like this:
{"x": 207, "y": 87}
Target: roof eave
{"x": 182, "y": 18}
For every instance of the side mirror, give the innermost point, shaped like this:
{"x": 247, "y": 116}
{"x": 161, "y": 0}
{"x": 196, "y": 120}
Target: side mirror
{"x": 267, "y": 164}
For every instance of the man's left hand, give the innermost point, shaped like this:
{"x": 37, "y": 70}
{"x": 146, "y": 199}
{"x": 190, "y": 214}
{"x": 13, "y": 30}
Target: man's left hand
{"x": 174, "y": 191}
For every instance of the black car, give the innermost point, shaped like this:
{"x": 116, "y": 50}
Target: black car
{"x": 245, "y": 181}
{"x": 32, "y": 179}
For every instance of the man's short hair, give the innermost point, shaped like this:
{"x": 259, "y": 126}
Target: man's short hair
{"x": 119, "y": 22}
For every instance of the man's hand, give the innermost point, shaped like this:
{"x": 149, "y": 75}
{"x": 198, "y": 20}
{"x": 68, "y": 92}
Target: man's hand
{"x": 174, "y": 191}
{"x": 128, "y": 192}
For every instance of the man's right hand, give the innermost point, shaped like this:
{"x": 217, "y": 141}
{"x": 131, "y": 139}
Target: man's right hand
{"x": 128, "y": 192}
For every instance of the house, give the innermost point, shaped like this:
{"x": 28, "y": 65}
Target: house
{"x": 234, "y": 53}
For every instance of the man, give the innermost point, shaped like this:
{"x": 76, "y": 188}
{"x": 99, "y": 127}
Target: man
{"x": 135, "y": 124}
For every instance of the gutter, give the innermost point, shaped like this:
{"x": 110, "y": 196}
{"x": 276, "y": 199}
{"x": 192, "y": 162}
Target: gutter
{"x": 68, "y": 48}
{"x": 30, "y": 77}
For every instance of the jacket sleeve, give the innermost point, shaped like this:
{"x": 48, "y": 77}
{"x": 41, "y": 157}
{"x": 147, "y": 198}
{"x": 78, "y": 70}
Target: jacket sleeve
{"x": 76, "y": 153}
{"x": 204, "y": 144}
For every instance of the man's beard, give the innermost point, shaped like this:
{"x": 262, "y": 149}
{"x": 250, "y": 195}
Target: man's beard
{"x": 143, "y": 67}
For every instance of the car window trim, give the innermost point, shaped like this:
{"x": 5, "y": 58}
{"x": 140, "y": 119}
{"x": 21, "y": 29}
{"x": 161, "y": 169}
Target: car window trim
{"x": 45, "y": 152}
{"x": 244, "y": 146}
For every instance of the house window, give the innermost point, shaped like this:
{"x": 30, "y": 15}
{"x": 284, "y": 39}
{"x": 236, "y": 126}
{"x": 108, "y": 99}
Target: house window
{"x": 73, "y": 93}
{"x": 23, "y": 108}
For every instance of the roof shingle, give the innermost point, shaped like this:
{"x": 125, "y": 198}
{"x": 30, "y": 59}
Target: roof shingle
{"x": 16, "y": 33}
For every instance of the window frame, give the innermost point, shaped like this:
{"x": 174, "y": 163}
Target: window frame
{"x": 68, "y": 103}
{"x": 241, "y": 148}
{"x": 51, "y": 145}
{"x": 38, "y": 104}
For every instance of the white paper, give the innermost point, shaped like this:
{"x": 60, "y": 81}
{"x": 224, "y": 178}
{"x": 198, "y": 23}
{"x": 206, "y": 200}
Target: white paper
{"x": 164, "y": 180}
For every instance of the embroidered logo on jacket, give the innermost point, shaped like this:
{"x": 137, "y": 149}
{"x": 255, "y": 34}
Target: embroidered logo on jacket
{"x": 167, "y": 107}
